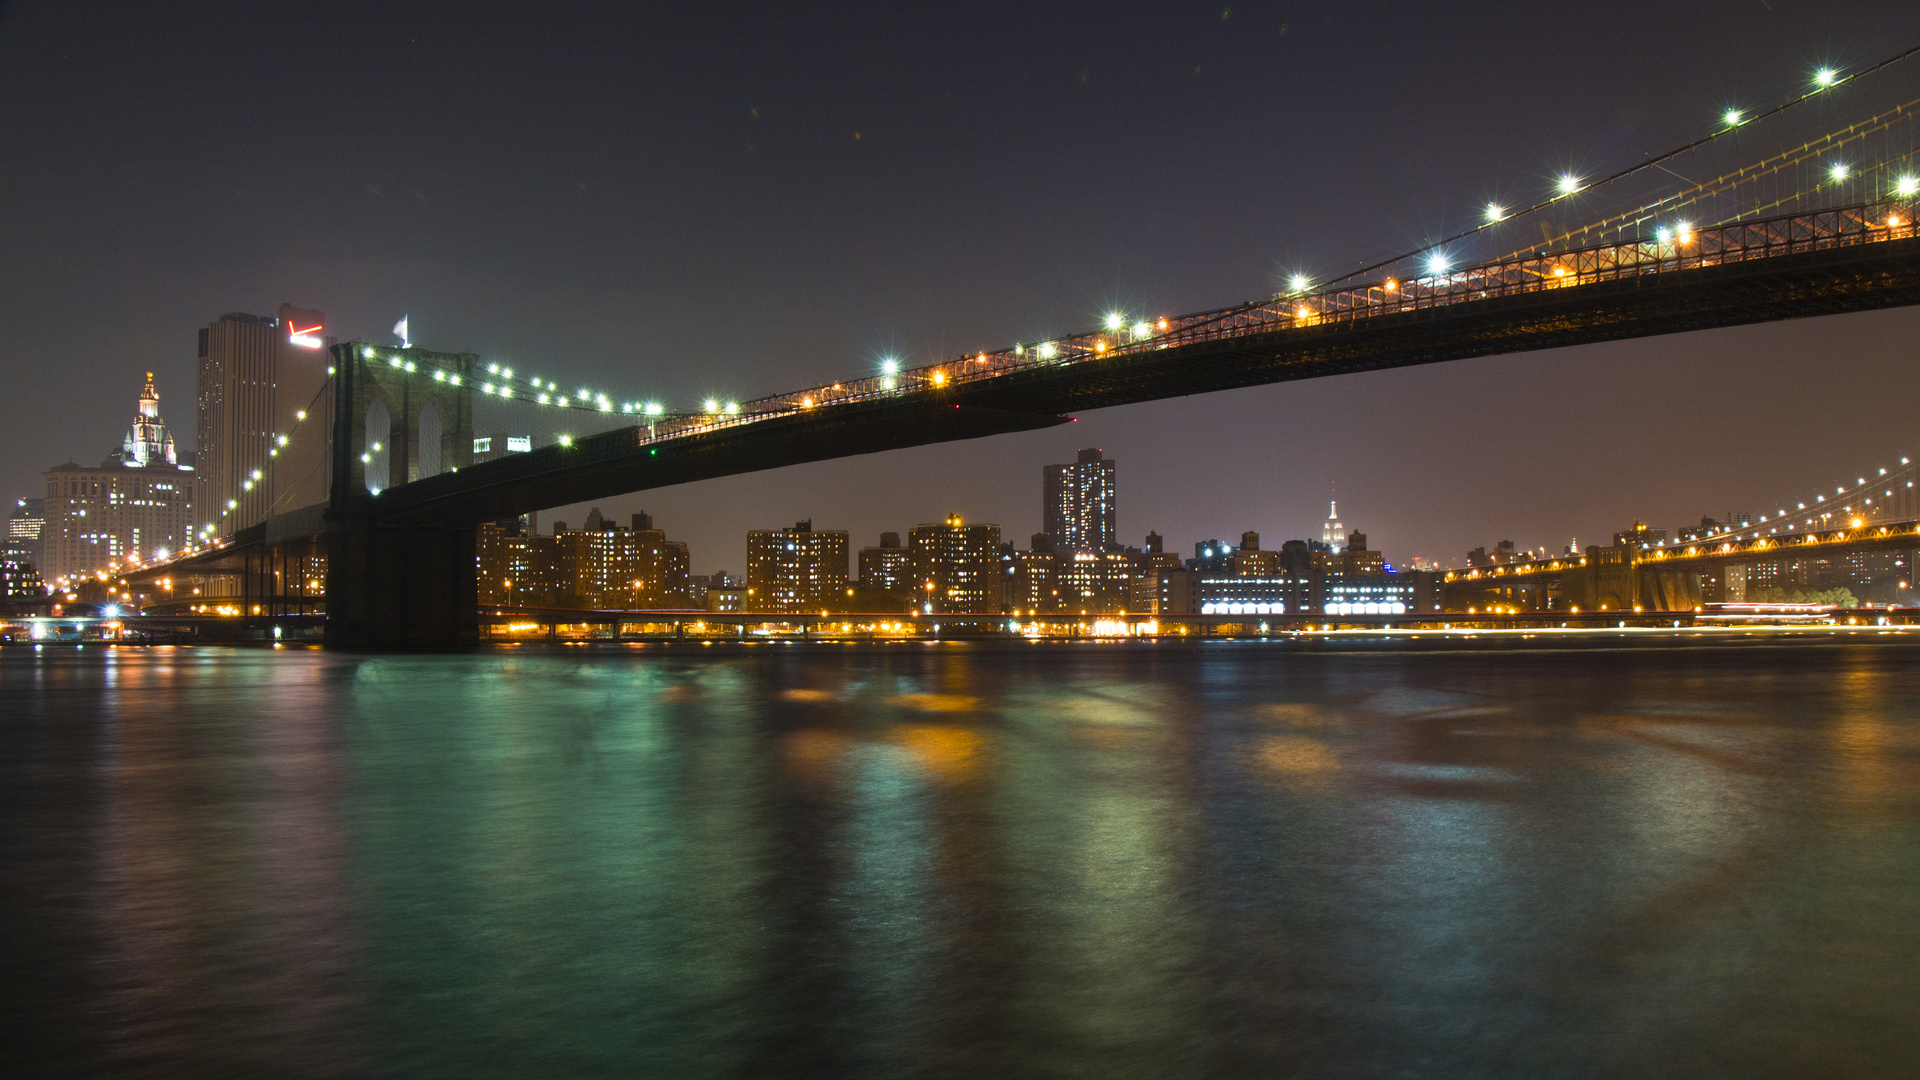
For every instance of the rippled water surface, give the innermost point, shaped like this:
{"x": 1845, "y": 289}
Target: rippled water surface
{"x": 962, "y": 860}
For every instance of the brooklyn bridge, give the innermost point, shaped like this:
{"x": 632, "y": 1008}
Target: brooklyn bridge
{"x": 378, "y": 491}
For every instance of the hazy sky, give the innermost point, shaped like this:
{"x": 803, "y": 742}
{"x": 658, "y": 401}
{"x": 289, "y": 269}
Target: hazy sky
{"x": 677, "y": 201}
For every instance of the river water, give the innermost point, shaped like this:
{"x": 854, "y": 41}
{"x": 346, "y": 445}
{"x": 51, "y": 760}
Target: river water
{"x": 1218, "y": 860}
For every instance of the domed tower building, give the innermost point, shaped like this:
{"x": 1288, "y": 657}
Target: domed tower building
{"x": 149, "y": 442}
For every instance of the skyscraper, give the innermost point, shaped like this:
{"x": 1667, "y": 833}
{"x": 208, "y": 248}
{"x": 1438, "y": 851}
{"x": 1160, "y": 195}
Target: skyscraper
{"x": 1077, "y": 503}
{"x": 255, "y": 375}
{"x": 1333, "y": 534}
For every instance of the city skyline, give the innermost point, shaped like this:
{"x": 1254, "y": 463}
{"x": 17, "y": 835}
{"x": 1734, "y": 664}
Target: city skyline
{"x": 1425, "y": 454}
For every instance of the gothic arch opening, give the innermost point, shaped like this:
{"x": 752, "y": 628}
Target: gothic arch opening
{"x": 379, "y": 431}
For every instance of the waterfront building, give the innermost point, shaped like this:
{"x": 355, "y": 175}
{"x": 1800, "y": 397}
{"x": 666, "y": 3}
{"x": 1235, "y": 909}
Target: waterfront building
{"x": 956, "y": 567}
{"x": 517, "y": 566}
{"x": 1095, "y": 583}
{"x": 1078, "y": 503}
{"x": 887, "y": 568}
{"x": 1238, "y": 595}
{"x": 257, "y": 375}
{"x": 796, "y": 569}
{"x": 1383, "y": 594}
{"x": 611, "y": 567}
{"x": 1032, "y": 585}
{"x": 602, "y": 566}
{"x": 136, "y": 506}
{"x": 19, "y": 578}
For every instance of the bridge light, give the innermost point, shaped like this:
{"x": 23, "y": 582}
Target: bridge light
{"x": 1048, "y": 350}
{"x": 486, "y": 388}
{"x": 711, "y": 405}
{"x": 653, "y": 408}
{"x": 493, "y": 369}
{"x": 1141, "y": 329}
{"x": 1298, "y": 283}
{"x": 1732, "y": 117}
{"x": 733, "y": 408}
{"x": 1437, "y": 263}
{"x": 256, "y": 474}
{"x": 300, "y": 415}
{"x": 1569, "y": 184}
{"x": 939, "y": 378}
{"x": 1496, "y": 212}
{"x": 1824, "y": 77}
{"x": 454, "y": 379}
{"x": 543, "y": 399}
{"x": 1838, "y": 170}
{"x": 1390, "y": 285}
{"x": 506, "y": 373}
{"x": 566, "y": 440}
{"x": 889, "y": 366}
{"x": 1683, "y": 232}
{"x": 1115, "y": 320}
{"x": 1663, "y": 234}
{"x": 439, "y": 376}
{"x": 283, "y": 442}
{"x": 1907, "y": 185}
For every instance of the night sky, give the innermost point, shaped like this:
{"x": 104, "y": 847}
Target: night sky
{"x": 708, "y": 199}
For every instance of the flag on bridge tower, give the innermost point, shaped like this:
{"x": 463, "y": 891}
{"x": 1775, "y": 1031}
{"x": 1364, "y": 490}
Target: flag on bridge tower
{"x": 400, "y": 331}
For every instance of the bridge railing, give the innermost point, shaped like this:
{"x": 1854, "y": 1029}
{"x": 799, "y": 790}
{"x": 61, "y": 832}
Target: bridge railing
{"x": 1674, "y": 248}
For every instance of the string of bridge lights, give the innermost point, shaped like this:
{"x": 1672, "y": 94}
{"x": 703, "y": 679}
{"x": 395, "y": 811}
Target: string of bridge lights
{"x": 1568, "y": 184}
{"x": 1820, "y": 510}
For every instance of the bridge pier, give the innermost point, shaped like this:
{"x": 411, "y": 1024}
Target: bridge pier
{"x": 400, "y": 586}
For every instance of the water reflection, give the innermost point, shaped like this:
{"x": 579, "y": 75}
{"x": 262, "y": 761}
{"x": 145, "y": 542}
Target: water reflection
{"x": 963, "y": 860}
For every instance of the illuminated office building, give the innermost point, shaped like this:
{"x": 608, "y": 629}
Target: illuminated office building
{"x": 256, "y": 375}
{"x": 24, "y": 527}
{"x": 1077, "y": 503}
{"x": 796, "y": 569}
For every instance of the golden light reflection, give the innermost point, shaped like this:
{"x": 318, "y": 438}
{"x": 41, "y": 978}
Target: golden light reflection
{"x": 816, "y": 755}
{"x": 948, "y": 752}
{"x": 1294, "y": 714}
{"x": 938, "y": 702}
{"x": 806, "y": 695}
{"x": 1297, "y": 757}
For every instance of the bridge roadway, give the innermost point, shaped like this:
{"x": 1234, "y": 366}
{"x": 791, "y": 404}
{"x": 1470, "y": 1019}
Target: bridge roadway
{"x": 399, "y": 563}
